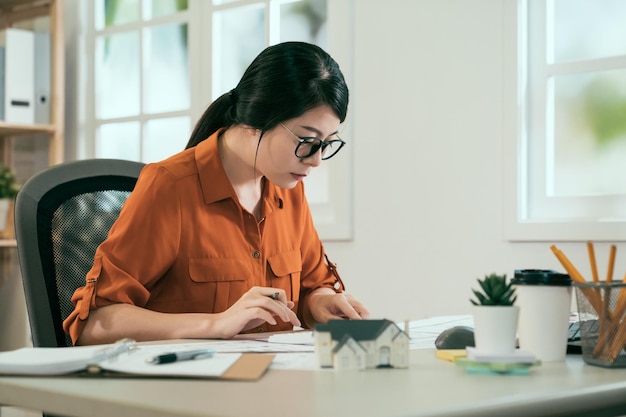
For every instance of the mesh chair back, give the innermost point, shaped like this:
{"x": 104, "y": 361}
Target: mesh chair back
{"x": 62, "y": 215}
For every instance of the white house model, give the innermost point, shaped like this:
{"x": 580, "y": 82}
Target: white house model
{"x": 360, "y": 344}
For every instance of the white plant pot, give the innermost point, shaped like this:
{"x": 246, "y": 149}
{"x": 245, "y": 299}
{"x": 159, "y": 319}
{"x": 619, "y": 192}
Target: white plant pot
{"x": 5, "y": 206}
{"x": 495, "y": 329}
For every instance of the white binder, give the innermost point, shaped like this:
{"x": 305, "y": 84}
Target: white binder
{"x": 42, "y": 65}
{"x": 19, "y": 75}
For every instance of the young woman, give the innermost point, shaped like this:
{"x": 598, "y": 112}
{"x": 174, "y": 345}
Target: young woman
{"x": 218, "y": 239}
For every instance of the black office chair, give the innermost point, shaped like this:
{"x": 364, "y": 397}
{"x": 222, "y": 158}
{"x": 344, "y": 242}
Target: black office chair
{"x": 62, "y": 214}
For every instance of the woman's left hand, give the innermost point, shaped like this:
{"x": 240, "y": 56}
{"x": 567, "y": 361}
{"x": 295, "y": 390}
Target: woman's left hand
{"x": 325, "y": 304}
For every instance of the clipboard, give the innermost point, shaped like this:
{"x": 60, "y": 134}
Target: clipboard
{"x": 128, "y": 359}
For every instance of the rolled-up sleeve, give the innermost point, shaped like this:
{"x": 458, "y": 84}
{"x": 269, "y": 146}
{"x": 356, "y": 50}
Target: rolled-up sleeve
{"x": 141, "y": 246}
{"x": 316, "y": 271}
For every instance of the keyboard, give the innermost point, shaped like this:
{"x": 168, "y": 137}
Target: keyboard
{"x": 573, "y": 338}
{"x": 574, "y": 331}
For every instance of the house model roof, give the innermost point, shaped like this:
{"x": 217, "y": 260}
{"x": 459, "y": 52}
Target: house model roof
{"x": 359, "y": 330}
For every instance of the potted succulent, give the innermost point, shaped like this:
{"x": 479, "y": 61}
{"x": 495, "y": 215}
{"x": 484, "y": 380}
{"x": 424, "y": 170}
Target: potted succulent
{"x": 496, "y": 291}
{"x": 8, "y": 190}
{"x": 495, "y": 316}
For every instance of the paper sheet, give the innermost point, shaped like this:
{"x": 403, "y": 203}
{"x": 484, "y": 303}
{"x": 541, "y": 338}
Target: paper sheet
{"x": 422, "y": 333}
{"x": 135, "y": 362}
{"x": 257, "y": 346}
{"x": 303, "y": 337}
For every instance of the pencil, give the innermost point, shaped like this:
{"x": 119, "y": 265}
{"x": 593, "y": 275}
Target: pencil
{"x": 592, "y": 261}
{"x": 609, "y": 271}
{"x": 569, "y": 267}
{"x": 612, "y": 336}
{"x": 620, "y": 305}
{"x": 593, "y": 297}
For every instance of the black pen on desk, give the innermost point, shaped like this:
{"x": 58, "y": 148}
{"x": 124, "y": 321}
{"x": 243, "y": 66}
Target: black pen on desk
{"x": 187, "y": 355}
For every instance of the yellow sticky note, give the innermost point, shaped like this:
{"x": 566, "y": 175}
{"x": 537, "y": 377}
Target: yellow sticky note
{"x": 451, "y": 354}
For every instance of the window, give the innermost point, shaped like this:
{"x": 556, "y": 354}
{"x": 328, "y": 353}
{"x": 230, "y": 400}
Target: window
{"x": 570, "y": 179}
{"x": 157, "y": 64}
{"x": 141, "y": 97}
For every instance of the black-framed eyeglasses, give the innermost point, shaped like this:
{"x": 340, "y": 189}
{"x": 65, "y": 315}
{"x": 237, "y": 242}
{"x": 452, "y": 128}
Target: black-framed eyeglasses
{"x": 309, "y": 146}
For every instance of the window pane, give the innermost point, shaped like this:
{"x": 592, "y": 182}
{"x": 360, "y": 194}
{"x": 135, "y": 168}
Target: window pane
{"x": 117, "y": 75}
{"x": 586, "y": 29}
{"x": 115, "y": 12}
{"x": 118, "y": 140}
{"x": 217, "y": 2}
{"x": 590, "y": 134}
{"x": 304, "y": 21}
{"x": 165, "y": 137}
{"x": 166, "y": 78}
{"x": 238, "y": 37}
{"x": 158, "y": 8}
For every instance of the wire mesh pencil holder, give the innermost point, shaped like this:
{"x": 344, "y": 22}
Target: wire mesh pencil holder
{"x": 602, "y": 315}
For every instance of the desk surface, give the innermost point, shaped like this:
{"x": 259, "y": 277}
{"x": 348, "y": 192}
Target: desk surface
{"x": 429, "y": 387}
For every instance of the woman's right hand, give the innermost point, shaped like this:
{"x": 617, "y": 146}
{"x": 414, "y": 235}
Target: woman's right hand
{"x": 257, "y": 306}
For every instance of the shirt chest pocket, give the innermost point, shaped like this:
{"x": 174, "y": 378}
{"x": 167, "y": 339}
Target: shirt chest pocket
{"x": 285, "y": 271}
{"x": 218, "y": 270}
{"x": 217, "y": 283}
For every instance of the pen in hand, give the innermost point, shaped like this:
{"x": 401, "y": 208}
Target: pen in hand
{"x": 181, "y": 356}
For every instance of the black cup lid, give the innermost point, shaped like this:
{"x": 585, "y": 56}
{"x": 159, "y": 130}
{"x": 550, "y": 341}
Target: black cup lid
{"x": 540, "y": 277}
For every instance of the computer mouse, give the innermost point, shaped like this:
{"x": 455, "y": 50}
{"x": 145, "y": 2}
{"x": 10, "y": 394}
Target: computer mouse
{"x": 457, "y": 337}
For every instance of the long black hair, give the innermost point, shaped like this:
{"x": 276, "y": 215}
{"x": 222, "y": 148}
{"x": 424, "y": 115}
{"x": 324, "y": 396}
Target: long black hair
{"x": 283, "y": 82}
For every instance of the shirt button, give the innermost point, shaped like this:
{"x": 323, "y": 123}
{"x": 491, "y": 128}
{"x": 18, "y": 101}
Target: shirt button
{"x": 260, "y": 330}
{"x": 256, "y": 254}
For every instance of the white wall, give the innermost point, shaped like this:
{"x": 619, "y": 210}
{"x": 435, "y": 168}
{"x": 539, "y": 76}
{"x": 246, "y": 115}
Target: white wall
{"x": 428, "y": 106}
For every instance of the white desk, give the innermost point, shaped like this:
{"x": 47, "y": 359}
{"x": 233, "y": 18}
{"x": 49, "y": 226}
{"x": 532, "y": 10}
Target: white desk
{"x": 430, "y": 387}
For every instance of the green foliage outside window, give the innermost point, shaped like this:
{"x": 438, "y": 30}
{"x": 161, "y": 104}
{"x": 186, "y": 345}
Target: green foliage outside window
{"x": 605, "y": 107}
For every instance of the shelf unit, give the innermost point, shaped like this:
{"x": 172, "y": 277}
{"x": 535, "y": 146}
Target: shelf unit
{"x": 22, "y": 14}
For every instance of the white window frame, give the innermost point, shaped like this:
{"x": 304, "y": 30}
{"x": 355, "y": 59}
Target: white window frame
{"x": 86, "y": 70}
{"x": 517, "y": 136}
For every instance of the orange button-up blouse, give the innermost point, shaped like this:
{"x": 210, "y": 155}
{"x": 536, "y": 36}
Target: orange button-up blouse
{"x": 183, "y": 243}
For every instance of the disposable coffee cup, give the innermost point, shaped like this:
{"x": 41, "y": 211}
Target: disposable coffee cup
{"x": 544, "y": 298}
